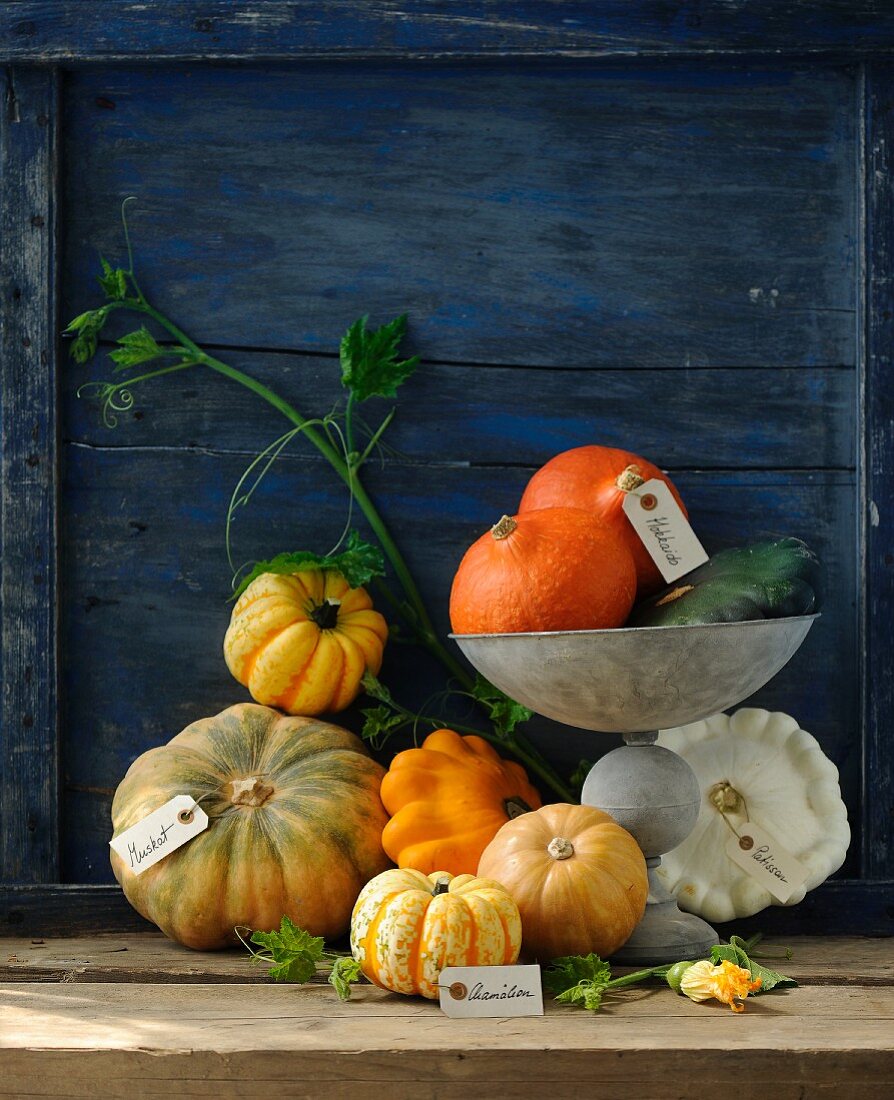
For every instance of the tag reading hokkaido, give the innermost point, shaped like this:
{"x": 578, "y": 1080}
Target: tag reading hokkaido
{"x": 467, "y": 991}
{"x": 160, "y": 833}
{"x": 767, "y": 862}
{"x": 663, "y": 529}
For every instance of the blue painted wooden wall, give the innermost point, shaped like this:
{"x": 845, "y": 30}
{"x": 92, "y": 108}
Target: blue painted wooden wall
{"x": 660, "y": 256}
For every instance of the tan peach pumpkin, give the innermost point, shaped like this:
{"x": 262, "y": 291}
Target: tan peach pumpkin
{"x": 578, "y": 878}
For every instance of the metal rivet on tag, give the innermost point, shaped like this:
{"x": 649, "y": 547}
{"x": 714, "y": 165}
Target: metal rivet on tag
{"x": 746, "y": 843}
{"x": 648, "y": 501}
{"x": 458, "y": 991}
{"x": 185, "y": 817}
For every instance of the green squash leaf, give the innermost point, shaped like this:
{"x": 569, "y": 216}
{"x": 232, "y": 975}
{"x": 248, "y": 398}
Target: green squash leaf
{"x": 135, "y": 348}
{"x": 504, "y": 712}
{"x": 369, "y": 363}
{"x": 113, "y": 281}
{"x": 358, "y": 563}
{"x": 578, "y": 980}
{"x": 85, "y": 328}
{"x": 292, "y": 952}
{"x": 345, "y": 973}
{"x": 379, "y": 723}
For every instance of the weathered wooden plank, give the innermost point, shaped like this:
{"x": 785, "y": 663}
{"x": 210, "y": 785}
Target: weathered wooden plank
{"x": 842, "y": 907}
{"x": 877, "y": 487}
{"x": 28, "y": 548}
{"x": 472, "y": 414}
{"x": 66, "y": 30}
{"x": 84, "y": 909}
{"x": 664, "y": 216}
{"x": 151, "y": 958}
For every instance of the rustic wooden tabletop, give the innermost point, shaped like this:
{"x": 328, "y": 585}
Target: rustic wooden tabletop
{"x": 135, "y": 1016}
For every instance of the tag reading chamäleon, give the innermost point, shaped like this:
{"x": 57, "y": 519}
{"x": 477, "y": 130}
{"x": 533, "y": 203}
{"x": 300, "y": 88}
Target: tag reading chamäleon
{"x": 664, "y": 529}
{"x": 160, "y": 833}
{"x": 767, "y": 862}
{"x": 474, "y": 991}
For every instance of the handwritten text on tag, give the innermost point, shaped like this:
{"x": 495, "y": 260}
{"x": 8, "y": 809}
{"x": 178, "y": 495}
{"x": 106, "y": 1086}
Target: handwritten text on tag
{"x": 758, "y": 854}
{"x": 663, "y": 529}
{"x": 160, "y": 833}
{"x": 468, "y": 991}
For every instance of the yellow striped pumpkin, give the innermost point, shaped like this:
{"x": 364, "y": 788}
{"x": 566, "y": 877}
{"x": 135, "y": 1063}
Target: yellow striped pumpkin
{"x": 302, "y": 641}
{"x": 407, "y": 926}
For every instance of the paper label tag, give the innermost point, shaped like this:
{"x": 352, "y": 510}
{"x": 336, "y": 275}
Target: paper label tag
{"x": 663, "y": 529}
{"x": 468, "y": 991}
{"x": 160, "y": 833}
{"x": 766, "y": 862}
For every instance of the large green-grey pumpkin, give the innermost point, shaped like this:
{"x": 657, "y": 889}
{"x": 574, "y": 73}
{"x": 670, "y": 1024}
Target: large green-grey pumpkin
{"x": 295, "y": 826}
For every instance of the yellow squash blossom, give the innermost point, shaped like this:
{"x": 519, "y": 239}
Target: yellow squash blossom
{"x": 725, "y": 982}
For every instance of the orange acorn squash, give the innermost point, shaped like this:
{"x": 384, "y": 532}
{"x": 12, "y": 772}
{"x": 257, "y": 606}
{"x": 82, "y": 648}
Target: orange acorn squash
{"x": 578, "y": 878}
{"x": 407, "y": 926}
{"x": 303, "y": 641}
{"x": 295, "y": 826}
{"x": 447, "y": 801}
{"x": 597, "y": 480}
{"x": 553, "y": 569}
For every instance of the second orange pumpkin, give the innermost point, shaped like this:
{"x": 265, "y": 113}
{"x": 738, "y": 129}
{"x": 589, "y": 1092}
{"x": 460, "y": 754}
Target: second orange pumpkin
{"x": 448, "y": 800}
{"x": 553, "y": 569}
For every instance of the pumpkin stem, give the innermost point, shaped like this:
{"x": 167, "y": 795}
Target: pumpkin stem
{"x": 325, "y": 614}
{"x": 675, "y": 594}
{"x": 515, "y": 807}
{"x": 630, "y": 479}
{"x": 441, "y": 887}
{"x": 725, "y": 798}
{"x": 250, "y": 792}
{"x": 504, "y": 528}
{"x": 560, "y": 848}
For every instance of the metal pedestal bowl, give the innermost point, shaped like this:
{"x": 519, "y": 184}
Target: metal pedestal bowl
{"x": 635, "y": 681}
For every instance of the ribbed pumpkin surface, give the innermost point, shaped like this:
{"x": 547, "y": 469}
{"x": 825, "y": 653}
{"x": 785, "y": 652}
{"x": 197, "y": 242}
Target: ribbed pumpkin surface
{"x": 403, "y": 935}
{"x": 302, "y": 641}
{"x": 305, "y": 847}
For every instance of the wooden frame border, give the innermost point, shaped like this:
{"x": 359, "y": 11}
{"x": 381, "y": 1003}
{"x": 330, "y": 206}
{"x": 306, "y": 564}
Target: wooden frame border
{"x": 34, "y": 33}
{"x": 29, "y": 636}
{"x": 73, "y": 31}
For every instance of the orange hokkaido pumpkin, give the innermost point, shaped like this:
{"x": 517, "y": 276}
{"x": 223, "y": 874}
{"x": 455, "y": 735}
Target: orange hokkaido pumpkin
{"x": 553, "y": 569}
{"x": 407, "y": 926}
{"x": 302, "y": 641}
{"x": 578, "y": 878}
{"x": 447, "y": 801}
{"x": 597, "y": 480}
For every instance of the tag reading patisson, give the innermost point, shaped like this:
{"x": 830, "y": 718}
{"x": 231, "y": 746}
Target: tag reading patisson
{"x": 160, "y": 833}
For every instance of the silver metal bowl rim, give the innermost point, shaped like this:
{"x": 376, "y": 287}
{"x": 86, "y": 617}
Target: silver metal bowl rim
{"x": 639, "y": 629}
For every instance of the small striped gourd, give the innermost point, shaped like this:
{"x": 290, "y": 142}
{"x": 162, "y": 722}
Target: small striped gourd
{"x": 407, "y": 926}
{"x": 303, "y": 641}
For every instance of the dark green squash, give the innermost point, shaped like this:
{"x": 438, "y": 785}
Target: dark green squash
{"x": 767, "y": 580}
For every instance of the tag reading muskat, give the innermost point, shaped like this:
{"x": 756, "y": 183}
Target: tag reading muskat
{"x": 766, "y": 862}
{"x": 663, "y": 529}
{"x": 160, "y": 833}
{"x": 468, "y": 991}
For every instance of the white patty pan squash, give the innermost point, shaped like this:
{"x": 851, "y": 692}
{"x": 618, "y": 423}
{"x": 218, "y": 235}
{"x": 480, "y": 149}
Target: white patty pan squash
{"x": 766, "y": 764}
